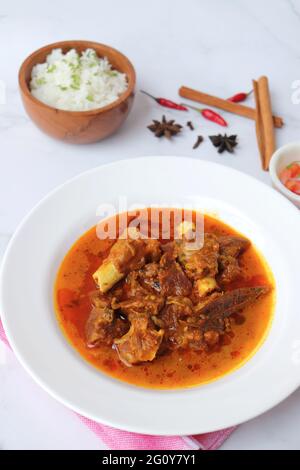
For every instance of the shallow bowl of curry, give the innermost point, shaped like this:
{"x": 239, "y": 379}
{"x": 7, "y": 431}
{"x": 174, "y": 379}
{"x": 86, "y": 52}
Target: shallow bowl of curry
{"x": 234, "y": 338}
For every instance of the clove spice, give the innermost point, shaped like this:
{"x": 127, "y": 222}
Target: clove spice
{"x": 198, "y": 141}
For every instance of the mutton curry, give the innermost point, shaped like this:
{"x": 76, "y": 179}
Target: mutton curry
{"x": 165, "y": 313}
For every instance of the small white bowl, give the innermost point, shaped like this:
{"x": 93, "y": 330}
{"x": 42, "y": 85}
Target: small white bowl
{"x": 281, "y": 158}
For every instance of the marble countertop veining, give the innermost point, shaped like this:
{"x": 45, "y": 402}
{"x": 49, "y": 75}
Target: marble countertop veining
{"x": 212, "y": 45}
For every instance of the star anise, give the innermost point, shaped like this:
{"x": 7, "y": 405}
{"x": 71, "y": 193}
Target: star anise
{"x": 224, "y": 142}
{"x": 165, "y": 128}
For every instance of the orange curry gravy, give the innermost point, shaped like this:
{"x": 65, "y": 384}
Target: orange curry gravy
{"x": 176, "y": 369}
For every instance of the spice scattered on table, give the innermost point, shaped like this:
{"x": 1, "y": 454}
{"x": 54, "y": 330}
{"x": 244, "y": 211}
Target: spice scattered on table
{"x": 190, "y": 125}
{"x": 238, "y": 97}
{"x": 224, "y": 142}
{"x": 165, "y": 128}
{"x": 264, "y": 121}
{"x": 199, "y": 141}
{"x": 210, "y": 115}
{"x": 166, "y": 103}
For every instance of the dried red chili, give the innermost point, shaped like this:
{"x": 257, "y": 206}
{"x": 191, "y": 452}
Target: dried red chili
{"x": 238, "y": 97}
{"x": 210, "y": 115}
{"x": 213, "y": 116}
{"x": 166, "y": 103}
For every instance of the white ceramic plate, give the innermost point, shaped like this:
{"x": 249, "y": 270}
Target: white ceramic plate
{"x": 42, "y": 240}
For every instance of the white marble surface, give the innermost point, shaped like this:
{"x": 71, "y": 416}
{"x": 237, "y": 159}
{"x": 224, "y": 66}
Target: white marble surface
{"x": 212, "y": 45}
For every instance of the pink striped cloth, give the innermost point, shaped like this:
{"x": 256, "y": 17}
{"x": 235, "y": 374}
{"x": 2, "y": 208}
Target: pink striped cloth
{"x": 123, "y": 440}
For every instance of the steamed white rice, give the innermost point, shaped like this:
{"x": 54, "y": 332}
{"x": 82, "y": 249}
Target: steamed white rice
{"x": 76, "y": 82}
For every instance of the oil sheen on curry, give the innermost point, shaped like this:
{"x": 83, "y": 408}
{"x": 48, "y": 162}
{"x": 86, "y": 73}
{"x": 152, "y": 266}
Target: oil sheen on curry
{"x": 165, "y": 313}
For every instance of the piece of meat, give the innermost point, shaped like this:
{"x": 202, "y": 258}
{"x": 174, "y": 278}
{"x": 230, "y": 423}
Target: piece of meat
{"x": 176, "y": 308}
{"x": 128, "y": 253}
{"x": 137, "y": 298}
{"x": 185, "y": 336}
{"x": 203, "y": 262}
{"x": 153, "y": 251}
{"x": 229, "y": 269}
{"x": 220, "y": 324}
{"x": 141, "y": 342}
{"x": 172, "y": 279}
{"x": 189, "y": 335}
{"x": 180, "y": 331}
{"x": 231, "y": 302}
{"x": 102, "y": 327}
{"x": 132, "y": 287}
{"x": 171, "y": 249}
{"x": 148, "y": 276}
{"x": 103, "y": 324}
{"x": 134, "y": 307}
{"x": 167, "y": 277}
{"x": 99, "y": 327}
{"x": 231, "y": 247}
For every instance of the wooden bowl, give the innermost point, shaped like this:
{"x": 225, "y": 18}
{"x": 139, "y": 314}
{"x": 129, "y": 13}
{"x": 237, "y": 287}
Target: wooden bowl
{"x": 79, "y": 127}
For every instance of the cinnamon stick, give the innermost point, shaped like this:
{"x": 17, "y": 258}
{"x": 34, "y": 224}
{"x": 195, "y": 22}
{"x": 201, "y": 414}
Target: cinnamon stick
{"x": 266, "y": 119}
{"x": 259, "y": 126}
{"x": 229, "y": 106}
